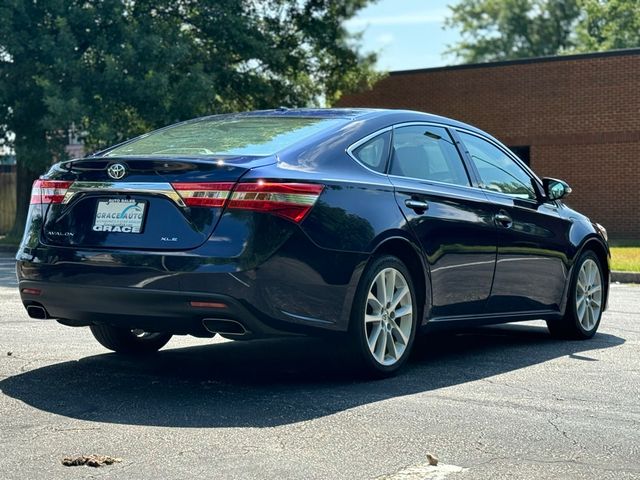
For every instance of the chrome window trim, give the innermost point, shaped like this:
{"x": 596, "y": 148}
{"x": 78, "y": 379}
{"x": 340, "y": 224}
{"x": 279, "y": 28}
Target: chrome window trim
{"x": 359, "y": 182}
{"x": 500, "y": 146}
{"x": 516, "y": 160}
{"x": 436, "y": 182}
{"x": 387, "y": 175}
{"x": 496, "y": 143}
{"x": 364, "y": 140}
{"x": 483, "y": 198}
{"x": 154, "y": 188}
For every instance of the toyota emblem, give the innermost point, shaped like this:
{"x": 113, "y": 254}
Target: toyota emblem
{"x": 116, "y": 171}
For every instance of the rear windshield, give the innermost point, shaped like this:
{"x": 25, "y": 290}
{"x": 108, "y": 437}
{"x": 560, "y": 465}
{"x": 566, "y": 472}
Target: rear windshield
{"x": 226, "y": 136}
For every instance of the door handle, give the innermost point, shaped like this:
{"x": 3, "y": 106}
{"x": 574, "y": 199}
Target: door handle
{"x": 417, "y": 205}
{"x": 503, "y": 220}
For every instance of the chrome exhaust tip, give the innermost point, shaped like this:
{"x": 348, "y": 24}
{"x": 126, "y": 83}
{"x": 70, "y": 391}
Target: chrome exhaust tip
{"x": 37, "y": 311}
{"x": 224, "y": 326}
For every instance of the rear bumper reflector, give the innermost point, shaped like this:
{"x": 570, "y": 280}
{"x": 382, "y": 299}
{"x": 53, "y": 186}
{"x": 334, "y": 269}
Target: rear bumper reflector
{"x": 208, "y": 305}
{"x": 31, "y": 291}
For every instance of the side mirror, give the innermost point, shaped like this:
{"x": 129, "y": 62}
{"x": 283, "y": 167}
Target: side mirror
{"x": 555, "y": 189}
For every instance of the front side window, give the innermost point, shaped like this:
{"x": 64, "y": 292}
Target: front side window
{"x": 374, "y": 153}
{"x": 498, "y": 172}
{"x": 427, "y": 153}
{"x": 226, "y": 135}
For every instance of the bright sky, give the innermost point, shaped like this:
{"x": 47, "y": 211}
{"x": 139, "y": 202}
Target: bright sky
{"x": 407, "y": 34}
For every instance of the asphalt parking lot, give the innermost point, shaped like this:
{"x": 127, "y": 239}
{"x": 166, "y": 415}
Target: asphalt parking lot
{"x": 500, "y": 403}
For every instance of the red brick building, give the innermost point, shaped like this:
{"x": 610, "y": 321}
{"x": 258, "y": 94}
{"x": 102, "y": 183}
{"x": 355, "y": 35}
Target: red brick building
{"x": 575, "y": 117}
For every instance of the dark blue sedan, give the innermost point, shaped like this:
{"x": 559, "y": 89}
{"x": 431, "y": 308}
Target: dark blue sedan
{"x": 369, "y": 225}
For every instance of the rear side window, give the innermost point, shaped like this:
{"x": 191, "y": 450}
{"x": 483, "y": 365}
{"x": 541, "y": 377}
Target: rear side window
{"x": 374, "y": 153}
{"x": 498, "y": 171}
{"x": 226, "y": 135}
{"x": 427, "y": 153}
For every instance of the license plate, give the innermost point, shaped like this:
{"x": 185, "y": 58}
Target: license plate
{"x": 119, "y": 215}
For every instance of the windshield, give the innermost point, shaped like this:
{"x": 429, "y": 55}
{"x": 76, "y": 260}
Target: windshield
{"x": 226, "y": 136}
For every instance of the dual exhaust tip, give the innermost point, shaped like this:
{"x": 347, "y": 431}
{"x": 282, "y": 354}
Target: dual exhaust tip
{"x": 37, "y": 311}
{"x": 224, "y": 326}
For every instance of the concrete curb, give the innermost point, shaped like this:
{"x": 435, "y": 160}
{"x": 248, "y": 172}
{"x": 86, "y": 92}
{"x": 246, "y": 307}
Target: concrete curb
{"x": 625, "y": 277}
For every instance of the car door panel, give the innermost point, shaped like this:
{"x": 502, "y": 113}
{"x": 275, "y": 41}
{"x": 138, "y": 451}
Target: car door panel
{"x": 452, "y": 220}
{"x": 531, "y": 268}
{"x": 458, "y": 238}
{"x": 531, "y": 271}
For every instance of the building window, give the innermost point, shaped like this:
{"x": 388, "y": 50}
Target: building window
{"x": 523, "y": 152}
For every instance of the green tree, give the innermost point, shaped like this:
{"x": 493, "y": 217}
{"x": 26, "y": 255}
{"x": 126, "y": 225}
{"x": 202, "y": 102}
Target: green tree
{"x": 509, "y": 29}
{"x": 494, "y": 30}
{"x": 609, "y": 24}
{"x": 117, "y": 68}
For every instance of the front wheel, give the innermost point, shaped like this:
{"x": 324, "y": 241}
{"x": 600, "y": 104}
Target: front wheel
{"x": 123, "y": 340}
{"x": 384, "y": 317}
{"x": 585, "y": 301}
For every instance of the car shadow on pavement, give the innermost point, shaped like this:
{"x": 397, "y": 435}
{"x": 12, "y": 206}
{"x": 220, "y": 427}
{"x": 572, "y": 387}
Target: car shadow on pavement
{"x": 267, "y": 383}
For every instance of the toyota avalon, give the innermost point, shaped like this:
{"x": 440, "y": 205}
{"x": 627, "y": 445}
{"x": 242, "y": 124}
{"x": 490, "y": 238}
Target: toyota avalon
{"x": 364, "y": 225}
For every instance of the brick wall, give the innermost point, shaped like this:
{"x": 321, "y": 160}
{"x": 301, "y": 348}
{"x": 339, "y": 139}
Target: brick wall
{"x": 580, "y": 115}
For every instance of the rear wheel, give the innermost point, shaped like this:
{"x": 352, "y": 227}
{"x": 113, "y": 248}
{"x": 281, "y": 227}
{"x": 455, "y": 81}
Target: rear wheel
{"x": 384, "y": 317}
{"x": 585, "y": 301}
{"x": 123, "y": 340}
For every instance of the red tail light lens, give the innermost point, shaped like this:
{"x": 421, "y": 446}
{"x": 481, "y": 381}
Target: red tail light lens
{"x": 289, "y": 200}
{"x": 49, "y": 191}
{"x": 203, "y": 194}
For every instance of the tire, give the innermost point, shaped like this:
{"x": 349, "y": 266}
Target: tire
{"x": 369, "y": 315}
{"x": 585, "y": 301}
{"x": 122, "y": 340}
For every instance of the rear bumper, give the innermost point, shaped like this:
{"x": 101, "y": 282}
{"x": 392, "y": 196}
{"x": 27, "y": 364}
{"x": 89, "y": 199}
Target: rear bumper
{"x": 180, "y": 313}
{"x": 299, "y": 288}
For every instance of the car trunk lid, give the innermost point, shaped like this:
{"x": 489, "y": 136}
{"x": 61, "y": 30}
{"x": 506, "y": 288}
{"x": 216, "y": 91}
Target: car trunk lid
{"x": 139, "y": 203}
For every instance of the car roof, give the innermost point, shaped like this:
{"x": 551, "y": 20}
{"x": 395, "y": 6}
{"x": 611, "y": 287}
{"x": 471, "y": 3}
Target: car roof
{"x": 381, "y": 117}
{"x": 392, "y": 115}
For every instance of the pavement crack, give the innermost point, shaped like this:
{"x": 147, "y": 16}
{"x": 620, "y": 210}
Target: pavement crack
{"x": 508, "y": 385}
{"x": 563, "y": 432}
{"x": 78, "y": 429}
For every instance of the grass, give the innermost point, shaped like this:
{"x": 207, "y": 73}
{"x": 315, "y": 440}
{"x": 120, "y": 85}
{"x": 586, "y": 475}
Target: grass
{"x": 625, "y": 259}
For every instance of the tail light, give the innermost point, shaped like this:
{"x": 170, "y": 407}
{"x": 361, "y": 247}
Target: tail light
{"x": 288, "y": 200}
{"x": 49, "y": 191}
{"x": 203, "y": 194}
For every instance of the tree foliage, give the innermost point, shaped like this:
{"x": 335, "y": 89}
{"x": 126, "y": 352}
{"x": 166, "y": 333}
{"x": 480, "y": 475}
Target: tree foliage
{"x": 509, "y": 29}
{"x": 609, "y": 24}
{"x": 116, "y": 68}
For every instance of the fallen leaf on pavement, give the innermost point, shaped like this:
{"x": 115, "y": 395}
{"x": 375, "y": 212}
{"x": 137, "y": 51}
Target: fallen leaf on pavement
{"x": 90, "y": 460}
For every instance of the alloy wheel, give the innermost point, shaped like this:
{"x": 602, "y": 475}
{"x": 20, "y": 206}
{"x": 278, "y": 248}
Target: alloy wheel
{"x": 388, "y": 316}
{"x": 589, "y": 294}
